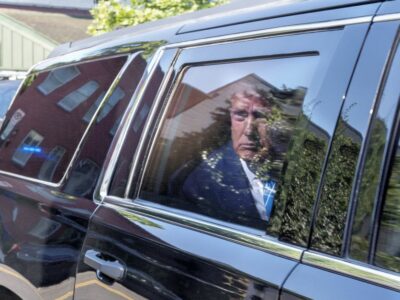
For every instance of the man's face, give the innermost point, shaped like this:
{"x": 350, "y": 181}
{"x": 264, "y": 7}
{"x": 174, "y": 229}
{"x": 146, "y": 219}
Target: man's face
{"x": 249, "y": 128}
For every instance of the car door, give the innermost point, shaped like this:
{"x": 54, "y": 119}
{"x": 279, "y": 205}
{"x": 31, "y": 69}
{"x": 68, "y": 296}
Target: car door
{"x": 157, "y": 236}
{"x": 354, "y": 250}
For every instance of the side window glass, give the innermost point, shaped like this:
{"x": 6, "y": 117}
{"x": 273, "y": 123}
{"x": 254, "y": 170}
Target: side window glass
{"x": 109, "y": 113}
{"x": 223, "y": 146}
{"x": 45, "y": 123}
{"x": 388, "y": 245}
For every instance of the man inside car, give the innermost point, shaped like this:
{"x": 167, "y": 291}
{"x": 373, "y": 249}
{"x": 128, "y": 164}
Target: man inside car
{"x": 233, "y": 183}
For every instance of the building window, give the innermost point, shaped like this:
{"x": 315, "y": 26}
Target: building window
{"x": 58, "y": 78}
{"x": 75, "y": 98}
{"x": 28, "y": 147}
{"x": 117, "y": 95}
{"x": 51, "y": 163}
{"x": 92, "y": 110}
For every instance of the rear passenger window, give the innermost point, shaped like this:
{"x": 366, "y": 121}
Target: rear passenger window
{"x": 223, "y": 146}
{"x": 49, "y": 116}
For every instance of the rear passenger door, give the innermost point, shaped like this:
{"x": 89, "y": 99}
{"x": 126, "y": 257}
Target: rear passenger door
{"x": 180, "y": 216}
{"x": 355, "y": 245}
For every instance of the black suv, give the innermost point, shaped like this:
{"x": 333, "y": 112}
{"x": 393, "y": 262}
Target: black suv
{"x": 249, "y": 151}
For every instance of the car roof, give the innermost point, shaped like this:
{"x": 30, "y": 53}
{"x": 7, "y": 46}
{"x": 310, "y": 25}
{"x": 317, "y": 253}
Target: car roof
{"x": 236, "y": 12}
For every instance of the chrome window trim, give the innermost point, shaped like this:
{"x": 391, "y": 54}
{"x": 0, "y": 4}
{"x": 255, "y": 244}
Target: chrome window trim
{"x": 110, "y": 90}
{"x": 126, "y": 122}
{"x": 387, "y": 17}
{"x": 259, "y": 242}
{"x": 274, "y": 31}
{"x": 150, "y": 119}
{"x": 358, "y": 271}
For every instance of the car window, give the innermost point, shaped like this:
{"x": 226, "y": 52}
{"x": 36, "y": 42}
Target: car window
{"x": 45, "y": 123}
{"x": 387, "y": 253}
{"x": 109, "y": 111}
{"x": 223, "y": 146}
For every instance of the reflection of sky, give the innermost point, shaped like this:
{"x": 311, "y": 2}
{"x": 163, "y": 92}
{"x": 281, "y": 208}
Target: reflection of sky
{"x": 291, "y": 72}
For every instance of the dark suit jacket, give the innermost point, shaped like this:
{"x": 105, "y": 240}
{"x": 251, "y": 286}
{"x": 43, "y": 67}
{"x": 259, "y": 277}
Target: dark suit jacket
{"x": 219, "y": 188}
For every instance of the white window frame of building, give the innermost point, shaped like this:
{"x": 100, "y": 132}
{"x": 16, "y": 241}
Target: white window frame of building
{"x": 77, "y": 97}
{"x": 117, "y": 95}
{"x": 32, "y": 139}
{"x": 49, "y": 167}
{"x": 58, "y": 78}
{"x": 92, "y": 110}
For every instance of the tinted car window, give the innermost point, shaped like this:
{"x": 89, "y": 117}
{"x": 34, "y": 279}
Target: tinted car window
{"x": 223, "y": 145}
{"x": 46, "y": 121}
{"x": 388, "y": 246}
{"x": 109, "y": 112}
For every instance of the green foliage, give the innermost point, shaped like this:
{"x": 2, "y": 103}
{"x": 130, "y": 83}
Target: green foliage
{"x": 110, "y": 14}
{"x": 295, "y": 200}
{"x": 332, "y": 213}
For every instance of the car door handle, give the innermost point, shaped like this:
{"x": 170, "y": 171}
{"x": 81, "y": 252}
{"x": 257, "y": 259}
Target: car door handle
{"x": 113, "y": 269}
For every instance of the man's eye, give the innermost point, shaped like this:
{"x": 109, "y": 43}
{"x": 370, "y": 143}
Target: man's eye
{"x": 240, "y": 114}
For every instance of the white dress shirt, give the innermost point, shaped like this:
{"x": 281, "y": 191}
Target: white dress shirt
{"x": 257, "y": 190}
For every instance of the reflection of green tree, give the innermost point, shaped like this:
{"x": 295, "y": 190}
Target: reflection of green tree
{"x": 370, "y": 181}
{"x": 332, "y": 212}
{"x": 293, "y": 207}
{"x": 388, "y": 251}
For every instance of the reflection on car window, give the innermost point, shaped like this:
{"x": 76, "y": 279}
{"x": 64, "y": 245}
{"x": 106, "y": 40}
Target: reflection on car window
{"x": 222, "y": 148}
{"x": 47, "y": 114}
{"x": 109, "y": 116}
{"x": 57, "y": 78}
{"x": 388, "y": 246}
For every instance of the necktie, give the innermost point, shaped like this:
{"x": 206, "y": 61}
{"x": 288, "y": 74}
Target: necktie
{"x": 269, "y": 195}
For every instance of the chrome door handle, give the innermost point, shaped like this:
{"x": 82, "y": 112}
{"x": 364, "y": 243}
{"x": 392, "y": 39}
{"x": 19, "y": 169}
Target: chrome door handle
{"x": 113, "y": 269}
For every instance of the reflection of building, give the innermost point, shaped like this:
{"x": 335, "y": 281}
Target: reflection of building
{"x": 65, "y": 99}
{"x": 31, "y": 29}
{"x": 195, "y": 114}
